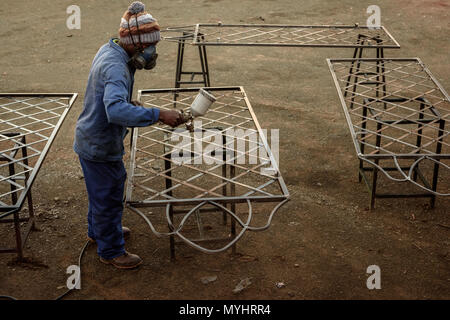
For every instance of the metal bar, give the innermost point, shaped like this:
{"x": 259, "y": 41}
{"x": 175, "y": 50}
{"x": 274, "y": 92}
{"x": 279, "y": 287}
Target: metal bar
{"x": 335, "y": 60}
{"x": 344, "y": 107}
{"x": 355, "y": 54}
{"x": 436, "y": 165}
{"x": 178, "y": 69}
{"x": 168, "y": 181}
{"x": 233, "y": 205}
{"x": 19, "y": 244}
{"x": 268, "y": 25}
{"x": 224, "y": 175}
{"x": 180, "y": 202}
{"x": 266, "y": 145}
{"x": 362, "y": 145}
{"x": 289, "y": 45}
{"x": 168, "y": 90}
{"x": 375, "y": 173}
{"x": 132, "y": 161}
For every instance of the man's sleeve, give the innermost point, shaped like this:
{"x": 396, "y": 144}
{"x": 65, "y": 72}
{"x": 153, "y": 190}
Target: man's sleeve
{"x": 115, "y": 99}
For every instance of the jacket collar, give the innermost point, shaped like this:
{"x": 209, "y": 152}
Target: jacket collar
{"x": 121, "y": 50}
{"x": 123, "y": 54}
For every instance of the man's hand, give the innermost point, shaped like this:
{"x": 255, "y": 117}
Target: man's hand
{"x": 136, "y": 103}
{"x": 170, "y": 117}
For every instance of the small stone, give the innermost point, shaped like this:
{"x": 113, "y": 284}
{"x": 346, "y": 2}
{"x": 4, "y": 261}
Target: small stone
{"x": 280, "y": 285}
{"x": 247, "y": 258}
{"x": 208, "y": 279}
{"x": 242, "y": 285}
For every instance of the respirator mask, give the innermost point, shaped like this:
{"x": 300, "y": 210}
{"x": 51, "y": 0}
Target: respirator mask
{"x": 143, "y": 58}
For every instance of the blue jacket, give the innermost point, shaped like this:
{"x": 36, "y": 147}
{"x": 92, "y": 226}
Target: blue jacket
{"x": 107, "y": 111}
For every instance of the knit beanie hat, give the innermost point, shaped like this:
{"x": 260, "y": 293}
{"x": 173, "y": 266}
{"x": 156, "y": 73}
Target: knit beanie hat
{"x": 148, "y": 26}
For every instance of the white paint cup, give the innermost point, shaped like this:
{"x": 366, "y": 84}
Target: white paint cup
{"x": 201, "y": 103}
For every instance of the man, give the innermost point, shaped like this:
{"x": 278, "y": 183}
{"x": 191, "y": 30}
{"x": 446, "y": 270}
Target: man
{"x": 101, "y": 128}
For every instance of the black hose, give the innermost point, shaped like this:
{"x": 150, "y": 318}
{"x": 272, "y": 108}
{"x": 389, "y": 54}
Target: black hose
{"x": 79, "y": 266}
{"x": 68, "y": 291}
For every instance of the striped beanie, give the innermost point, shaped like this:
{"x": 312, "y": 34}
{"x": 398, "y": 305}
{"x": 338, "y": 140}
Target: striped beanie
{"x": 148, "y": 26}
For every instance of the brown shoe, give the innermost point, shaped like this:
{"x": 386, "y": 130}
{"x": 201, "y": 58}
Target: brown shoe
{"x": 125, "y": 261}
{"x": 126, "y": 235}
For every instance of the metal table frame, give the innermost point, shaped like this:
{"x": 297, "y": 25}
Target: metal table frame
{"x": 199, "y": 35}
{"x": 22, "y": 192}
{"x": 428, "y": 109}
{"x": 225, "y": 201}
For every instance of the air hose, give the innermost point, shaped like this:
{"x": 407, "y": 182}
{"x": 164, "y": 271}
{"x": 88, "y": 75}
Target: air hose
{"x": 6, "y": 297}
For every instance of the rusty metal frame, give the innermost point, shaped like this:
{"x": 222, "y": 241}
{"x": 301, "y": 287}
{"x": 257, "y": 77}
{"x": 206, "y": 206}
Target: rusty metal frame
{"x": 209, "y": 34}
{"x": 357, "y": 37}
{"x": 217, "y": 197}
{"x": 169, "y": 105}
{"x": 380, "y": 99}
{"x": 24, "y": 129}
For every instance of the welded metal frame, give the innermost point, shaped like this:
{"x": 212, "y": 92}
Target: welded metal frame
{"x": 364, "y": 37}
{"x": 380, "y": 73}
{"x": 19, "y": 193}
{"x": 225, "y": 202}
{"x": 156, "y": 203}
{"x": 201, "y": 34}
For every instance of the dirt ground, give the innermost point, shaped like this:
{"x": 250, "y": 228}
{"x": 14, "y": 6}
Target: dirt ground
{"x": 319, "y": 244}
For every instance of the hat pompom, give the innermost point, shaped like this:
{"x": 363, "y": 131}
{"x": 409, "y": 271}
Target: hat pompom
{"x": 136, "y": 7}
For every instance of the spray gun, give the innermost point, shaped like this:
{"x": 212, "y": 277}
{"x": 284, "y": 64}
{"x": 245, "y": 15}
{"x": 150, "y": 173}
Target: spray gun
{"x": 199, "y": 108}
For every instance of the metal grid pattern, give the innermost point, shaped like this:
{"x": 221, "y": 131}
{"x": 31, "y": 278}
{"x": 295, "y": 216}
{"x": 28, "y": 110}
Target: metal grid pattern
{"x": 28, "y": 126}
{"x": 288, "y": 35}
{"x": 156, "y": 178}
{"x": 396, "y": 110}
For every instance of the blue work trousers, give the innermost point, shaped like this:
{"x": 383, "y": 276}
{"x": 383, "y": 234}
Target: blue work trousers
{"x": 105, "y": 183}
